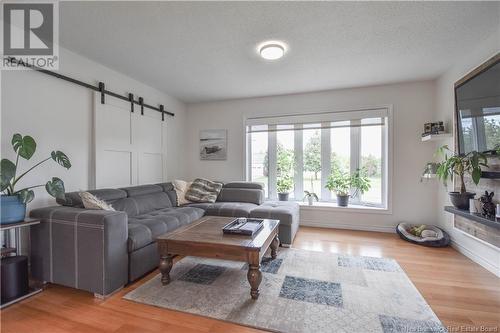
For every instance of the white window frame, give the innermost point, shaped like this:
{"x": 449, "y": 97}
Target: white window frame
{"x": 355, "y": 158}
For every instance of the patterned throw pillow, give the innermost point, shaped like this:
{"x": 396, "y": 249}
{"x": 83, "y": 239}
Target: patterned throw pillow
{"x": 181, "y": 188}
{"x": 90, "y": 201}
{"x": 202, "y": 190}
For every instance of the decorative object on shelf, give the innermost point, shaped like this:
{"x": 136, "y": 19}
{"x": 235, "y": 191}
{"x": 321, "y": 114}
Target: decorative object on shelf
{"x": 498, "y": 211}
{"x": 430, "y": 171}
{"x": 213, "y": 144}
{"x": 13, "y": 202}
{"x": 488, "y": 207}
{"x": 426, "y": 235}
{"x": 310, "y": 196}
{"x": 474, "y": 206}
{"x": 341, "y": 182}
{"x": 460, "y": 165}
{"x": 433, "y": 128}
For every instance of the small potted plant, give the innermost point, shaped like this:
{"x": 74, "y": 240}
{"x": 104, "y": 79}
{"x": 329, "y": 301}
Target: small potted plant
{"x": 310, "y": 196}
{"x": 341, "y": 182}
{"x": 13, "y": 201}
{"x": 284, "y": 185}
{"x": 460, "y": 165}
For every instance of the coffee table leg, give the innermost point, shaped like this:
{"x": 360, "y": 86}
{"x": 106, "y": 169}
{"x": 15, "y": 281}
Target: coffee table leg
{"x": 166, "y": 263}
{"x": 274, "y": 246}
{"x": 254, "y": 278}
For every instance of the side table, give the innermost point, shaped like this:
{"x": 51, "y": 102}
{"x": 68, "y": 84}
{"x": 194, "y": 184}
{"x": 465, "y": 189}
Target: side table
{"x": 7, "y": 250}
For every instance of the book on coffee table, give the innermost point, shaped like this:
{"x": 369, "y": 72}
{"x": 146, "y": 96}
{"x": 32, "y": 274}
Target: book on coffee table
{"x": 243, "y": 226}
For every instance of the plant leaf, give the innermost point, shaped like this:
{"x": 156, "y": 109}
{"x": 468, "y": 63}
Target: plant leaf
{"x": 7, "y": 172}
{"x": 61, "y": 158}
{"x": 24, "y": 146}
{"x": 26, "y": 196}
{"x": 55, "y": 188}
{"x": 476, "y": 175}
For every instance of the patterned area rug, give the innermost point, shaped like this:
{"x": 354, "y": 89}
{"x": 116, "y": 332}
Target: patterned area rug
{"x": 301, "y": 291}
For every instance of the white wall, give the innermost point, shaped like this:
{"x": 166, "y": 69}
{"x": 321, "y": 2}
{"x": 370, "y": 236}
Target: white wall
{"x": 58, "y": 114}
{"x": 485, "y": 255}
{"x": 413, "y": 105}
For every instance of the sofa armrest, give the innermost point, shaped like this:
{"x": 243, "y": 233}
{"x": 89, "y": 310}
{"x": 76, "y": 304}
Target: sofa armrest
{"x": 80, "y": 248}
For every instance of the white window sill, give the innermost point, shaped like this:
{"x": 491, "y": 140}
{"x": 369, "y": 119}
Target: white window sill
{"x": 352, "y": 208}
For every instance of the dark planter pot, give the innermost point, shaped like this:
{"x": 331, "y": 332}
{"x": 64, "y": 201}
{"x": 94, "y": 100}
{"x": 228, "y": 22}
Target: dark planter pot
{"x": 12, "y": 209}
{"x": 342, "y": 200}
{"x": 461, "y": 200}
{"x": 283, "y": 196}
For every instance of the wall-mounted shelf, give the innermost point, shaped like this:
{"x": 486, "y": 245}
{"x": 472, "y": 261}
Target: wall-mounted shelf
{"x": 473, "y": 216}
{"x": 436, "y": 137}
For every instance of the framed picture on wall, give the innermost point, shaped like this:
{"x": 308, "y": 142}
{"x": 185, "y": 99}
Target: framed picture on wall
{"x": 213, "y": 144}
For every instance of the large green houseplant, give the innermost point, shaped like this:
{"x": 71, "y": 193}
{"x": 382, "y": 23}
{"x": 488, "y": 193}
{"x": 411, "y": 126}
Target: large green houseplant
{"x": 342, "y": 182}
{"x": 460, "y": 166}
{"x": 14, "y": 200}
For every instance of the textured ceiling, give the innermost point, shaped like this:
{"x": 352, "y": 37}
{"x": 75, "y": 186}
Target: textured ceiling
{"x": 201, "y": 51}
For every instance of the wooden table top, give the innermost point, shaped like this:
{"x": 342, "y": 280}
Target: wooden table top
{"x": 208, "y": 230}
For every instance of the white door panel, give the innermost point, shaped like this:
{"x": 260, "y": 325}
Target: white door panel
{"x": 128, "y": 146}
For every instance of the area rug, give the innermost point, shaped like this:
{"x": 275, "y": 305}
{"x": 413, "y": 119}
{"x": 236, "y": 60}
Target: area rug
{"x": 301, "y": 291}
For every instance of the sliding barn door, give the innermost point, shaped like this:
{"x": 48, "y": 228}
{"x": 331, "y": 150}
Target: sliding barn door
{"x": 128, "y": 146}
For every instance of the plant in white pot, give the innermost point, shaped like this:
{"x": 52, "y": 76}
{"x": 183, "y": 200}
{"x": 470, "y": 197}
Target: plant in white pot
{"x": 13, "y": 201}
{"x": 342, "y": 182}
{"x": 460, "y": 165}
{"x": 310, "y": 196}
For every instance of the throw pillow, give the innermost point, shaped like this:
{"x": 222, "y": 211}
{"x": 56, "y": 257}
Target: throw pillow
{"x": 203, "y": 190}
{"x": 90, "y": 201}
{"x": 181, "y": 188}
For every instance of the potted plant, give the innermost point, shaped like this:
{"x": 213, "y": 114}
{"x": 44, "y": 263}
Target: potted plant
{"x": 13, "y": 201}
{"x": 284, "y": 185}
{"x": 460, "y": 165}
{"x": 341, "y": 182}
{"x": 310, "y": 196}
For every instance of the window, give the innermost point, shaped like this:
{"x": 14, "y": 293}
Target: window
{"x": 306, "y": 149}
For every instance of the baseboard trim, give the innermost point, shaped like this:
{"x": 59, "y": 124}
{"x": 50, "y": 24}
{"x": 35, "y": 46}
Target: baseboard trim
{"x": 333, "y": 225}
{"x": 477, "y": 258}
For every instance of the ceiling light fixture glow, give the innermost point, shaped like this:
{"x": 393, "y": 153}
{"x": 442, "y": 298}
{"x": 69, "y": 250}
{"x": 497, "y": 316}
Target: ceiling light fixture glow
{"x": 271, "y": 50}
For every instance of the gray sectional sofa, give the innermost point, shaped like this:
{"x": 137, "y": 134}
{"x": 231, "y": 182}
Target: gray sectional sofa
{"x": 101, "y": 251}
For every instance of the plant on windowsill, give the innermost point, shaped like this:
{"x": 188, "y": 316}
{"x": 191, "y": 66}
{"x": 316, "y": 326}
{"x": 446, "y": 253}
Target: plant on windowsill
{"x": 460, "y": 165}
{"x": 13, "y": 202}
{"x": 310, "y": 196}
{"x": 342, "y": 183}
{"x": 284, "y": 185}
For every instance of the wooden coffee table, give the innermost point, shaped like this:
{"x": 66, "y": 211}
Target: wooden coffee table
{"x": 204, "y": 238}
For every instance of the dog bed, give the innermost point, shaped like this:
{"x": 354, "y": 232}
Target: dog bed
{"x": 432, "y": 235}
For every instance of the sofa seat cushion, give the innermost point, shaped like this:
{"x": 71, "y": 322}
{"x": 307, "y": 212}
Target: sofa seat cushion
{"x": 145, "y": 228}
{"x": 236, "y": 209}
{"x": 285, "y": 211}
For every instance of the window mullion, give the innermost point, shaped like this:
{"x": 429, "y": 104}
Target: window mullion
{"x": 355, "y": 150}
{"x": 325, "y": 161}
{"x": 272, "y": 160}
{"x": 249, "y": 155}
{"x": 299, "y": 162}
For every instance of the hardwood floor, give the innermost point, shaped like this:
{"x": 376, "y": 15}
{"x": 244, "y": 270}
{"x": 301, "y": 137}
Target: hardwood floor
{"x": 459, "y": 291}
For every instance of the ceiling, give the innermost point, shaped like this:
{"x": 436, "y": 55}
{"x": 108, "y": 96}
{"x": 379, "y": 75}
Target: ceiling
{"x": 205, "y": 51}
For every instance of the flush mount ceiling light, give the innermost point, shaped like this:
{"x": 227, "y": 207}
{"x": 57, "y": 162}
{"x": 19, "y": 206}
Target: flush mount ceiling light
{"x": 272, "y": 50}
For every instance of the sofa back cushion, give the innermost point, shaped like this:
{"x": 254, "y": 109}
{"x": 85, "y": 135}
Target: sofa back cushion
{"x": 249, "y": 185}
{"x": 203, "y": 190}
{"x": 110, "y": 195}
{"x": 249, "y": 195}
{"x": 169, "y": 189}
{"x": 143, "y": 199}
